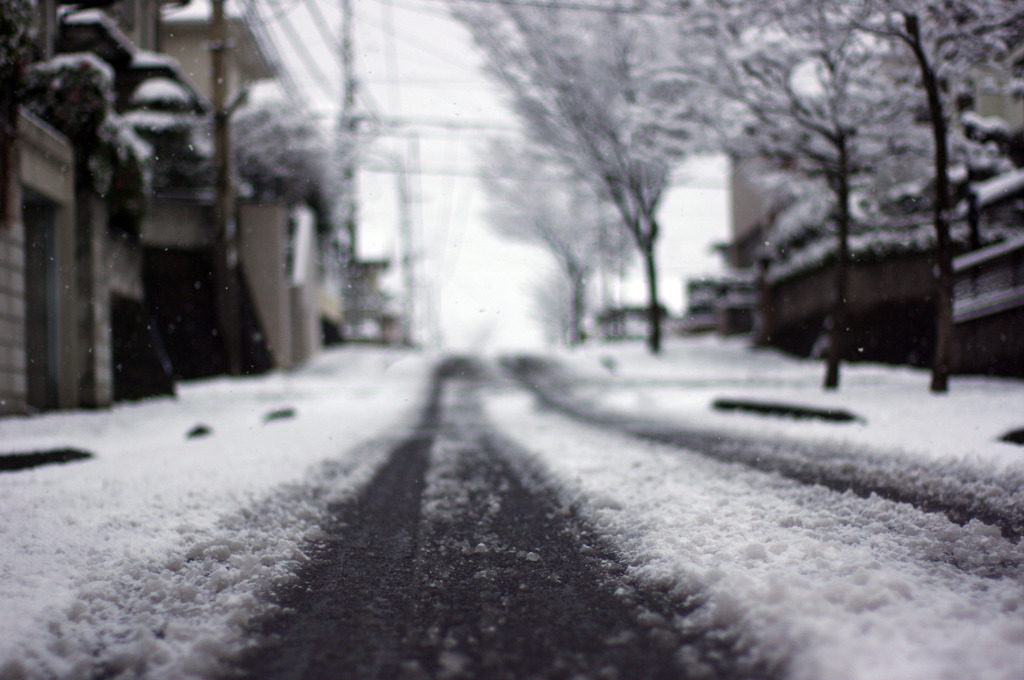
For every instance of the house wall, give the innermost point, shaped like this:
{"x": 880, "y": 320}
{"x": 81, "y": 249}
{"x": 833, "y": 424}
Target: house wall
{"x": 304, "y": 288}
{"x": 988, "y": 310}
{"x": 262, "y": 248}
{"x": 93, "y": 277}
{"x": 45, "y": 168}
{"x": 749, "y": 215}
{"x": 13, "y": 383}
{"x": 186, "y": 40}
{"x": 990, "y": 345}
{"x": 176, "y": 225}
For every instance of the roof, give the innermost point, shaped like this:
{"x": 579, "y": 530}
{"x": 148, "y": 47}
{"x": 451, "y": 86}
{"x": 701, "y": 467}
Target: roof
{"x": 93, "y": 31}
{"x": 998, "y": 188}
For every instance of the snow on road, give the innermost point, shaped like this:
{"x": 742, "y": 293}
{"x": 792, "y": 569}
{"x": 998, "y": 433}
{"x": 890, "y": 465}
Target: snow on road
{"x": 147, "y": 558}
{"x": 826, "y": 585}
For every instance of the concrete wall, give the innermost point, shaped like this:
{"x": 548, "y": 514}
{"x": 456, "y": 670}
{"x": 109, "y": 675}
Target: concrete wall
{"x": 262, "y": 247}
{"x": 304, "y": 288}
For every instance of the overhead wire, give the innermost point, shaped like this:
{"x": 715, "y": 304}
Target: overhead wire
{"x": 250, "y": 14}
{"x": 449, "y": 59}
{"x": 637, "y": 9}
{"x": 299, "y": 47}
{"x": 284, "y": 7}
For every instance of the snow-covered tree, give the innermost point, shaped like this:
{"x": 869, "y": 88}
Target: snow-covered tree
{"x": 15, "y": 46}
{"x": 537, "y": 201}
{"x": 162, "y": 113}
{"x": 947, "y": 40}
{"x": 280, "y": 151}
{"x": 809, "y": 95}
{"x": 580, "y": 82}
{"x": 553, "y": 308}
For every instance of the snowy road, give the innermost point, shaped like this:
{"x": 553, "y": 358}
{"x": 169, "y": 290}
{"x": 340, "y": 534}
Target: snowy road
{"x": 503, "y": 540}
{"x": 457, "y": 561}
{"x": 426, "y": 522}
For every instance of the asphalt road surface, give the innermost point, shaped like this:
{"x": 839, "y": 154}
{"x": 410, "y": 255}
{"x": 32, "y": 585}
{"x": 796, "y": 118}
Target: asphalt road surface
{"x": 456, "y": 561}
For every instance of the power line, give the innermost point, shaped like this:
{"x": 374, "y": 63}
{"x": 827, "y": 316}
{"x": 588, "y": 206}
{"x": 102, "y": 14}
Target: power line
{"x": 570, "y": 6}
{"x": 282, "y": 9}
{"x": 300, "y": 48}
{"x": 322, "y": 25}
{"x": 446, "y": 58}
{"x": 477, "y": 173}
{"x": 266, "y": 44}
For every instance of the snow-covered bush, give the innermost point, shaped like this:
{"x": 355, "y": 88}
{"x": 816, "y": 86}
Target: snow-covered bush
{"x": 161, "y": 94}
{"x": 182, "y": 141}
{"x": 15, "y": 41}
{"x": 75, "y": 94}
{"x": 121, "y": 171}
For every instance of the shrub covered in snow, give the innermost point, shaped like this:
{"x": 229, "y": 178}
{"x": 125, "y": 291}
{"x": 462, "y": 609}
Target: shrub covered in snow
{"x": 161, "y": 94}
{"x": 182, "y": 141}
{"x": 15, "y": 42}
{"x": 75, "y": 93}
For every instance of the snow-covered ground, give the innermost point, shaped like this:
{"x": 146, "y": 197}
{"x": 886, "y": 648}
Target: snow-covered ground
{"x": 149, "y": 557}
{"x": 897, "y": 410}
{"x": 823, "y": 584}
{"x": 149, "y": 554}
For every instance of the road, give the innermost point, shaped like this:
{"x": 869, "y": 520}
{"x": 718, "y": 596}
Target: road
{"x": 456, "y": 561}
{"x": 460, "y": 559}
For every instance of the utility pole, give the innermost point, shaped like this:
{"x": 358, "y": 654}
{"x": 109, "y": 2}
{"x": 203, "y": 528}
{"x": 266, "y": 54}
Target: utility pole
{"x": 347, "y": 126}
{"x": 226, "y": 282}
{"x": 408, "y": 242}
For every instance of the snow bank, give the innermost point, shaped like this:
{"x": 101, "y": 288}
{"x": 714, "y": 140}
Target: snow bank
{"x": 147, "y": 559}
{"x": 820, "y": 584}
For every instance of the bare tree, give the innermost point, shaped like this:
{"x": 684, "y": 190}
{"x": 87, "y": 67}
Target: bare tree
{"x": 808, "y": 94}
{"x": 580, "y": 83}
{"x": 535, "y": 200}
{"x": 947, "y": 39}
{"x": 553, "y": 308}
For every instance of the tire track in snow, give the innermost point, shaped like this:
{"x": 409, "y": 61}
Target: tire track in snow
{"x": 959, "y": 492}
{"x": 456, "y": 562}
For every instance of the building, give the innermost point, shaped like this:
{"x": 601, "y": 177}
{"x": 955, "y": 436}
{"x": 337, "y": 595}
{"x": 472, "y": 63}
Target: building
{"x": 94, "y": 307}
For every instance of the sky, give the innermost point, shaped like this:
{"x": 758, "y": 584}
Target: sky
{"x": 422, "y": 86}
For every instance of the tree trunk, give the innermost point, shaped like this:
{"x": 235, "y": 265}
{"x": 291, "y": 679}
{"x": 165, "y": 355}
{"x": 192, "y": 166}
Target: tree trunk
{"x": 578, "y": 304}
{"x": 653, "y": 305}
{"x": 837, "y": 332}
{"x": 943, "y": 245}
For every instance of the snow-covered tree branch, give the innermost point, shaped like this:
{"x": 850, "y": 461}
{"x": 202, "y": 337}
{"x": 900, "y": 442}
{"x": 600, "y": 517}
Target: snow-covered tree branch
{"x": 581, "y": 85}
{"x": 535, "y": 200}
